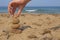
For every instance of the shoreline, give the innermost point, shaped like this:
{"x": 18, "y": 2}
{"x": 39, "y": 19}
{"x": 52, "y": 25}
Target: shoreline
{"x": 29, "y": 13}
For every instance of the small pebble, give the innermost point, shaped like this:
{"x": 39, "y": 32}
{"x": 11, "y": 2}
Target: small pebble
{"x": 15, "y": 26}
{"x": 15, "y": 21}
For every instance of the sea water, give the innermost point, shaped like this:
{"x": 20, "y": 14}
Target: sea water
{"x": 51, "y": 10}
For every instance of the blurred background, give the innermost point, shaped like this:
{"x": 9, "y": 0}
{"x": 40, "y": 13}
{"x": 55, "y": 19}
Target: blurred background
{"x": 35, "y": 6}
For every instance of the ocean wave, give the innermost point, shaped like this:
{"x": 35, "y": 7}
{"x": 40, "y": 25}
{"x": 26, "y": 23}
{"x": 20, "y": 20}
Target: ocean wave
{"x": 33, "y": 10}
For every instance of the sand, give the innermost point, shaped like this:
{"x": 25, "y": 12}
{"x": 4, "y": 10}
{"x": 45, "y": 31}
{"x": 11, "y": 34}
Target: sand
{"x": 34, "y": 26}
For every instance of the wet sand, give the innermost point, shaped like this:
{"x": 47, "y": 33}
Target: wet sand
{"x": 35, "y": 27}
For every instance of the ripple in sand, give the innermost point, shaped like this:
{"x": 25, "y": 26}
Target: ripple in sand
{"x": 32, "y": 36}
{"x": 47, "y": 37}
{"x": 55, "y": 28}
{"x": 45, "y": 31}
{"x": 36, "y": 24}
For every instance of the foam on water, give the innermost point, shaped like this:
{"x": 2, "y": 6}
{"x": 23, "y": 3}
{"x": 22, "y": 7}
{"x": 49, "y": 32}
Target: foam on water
{"x": 33, "y": 10}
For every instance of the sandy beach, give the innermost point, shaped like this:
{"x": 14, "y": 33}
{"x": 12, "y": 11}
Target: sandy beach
{"x": 36, "y": 27}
